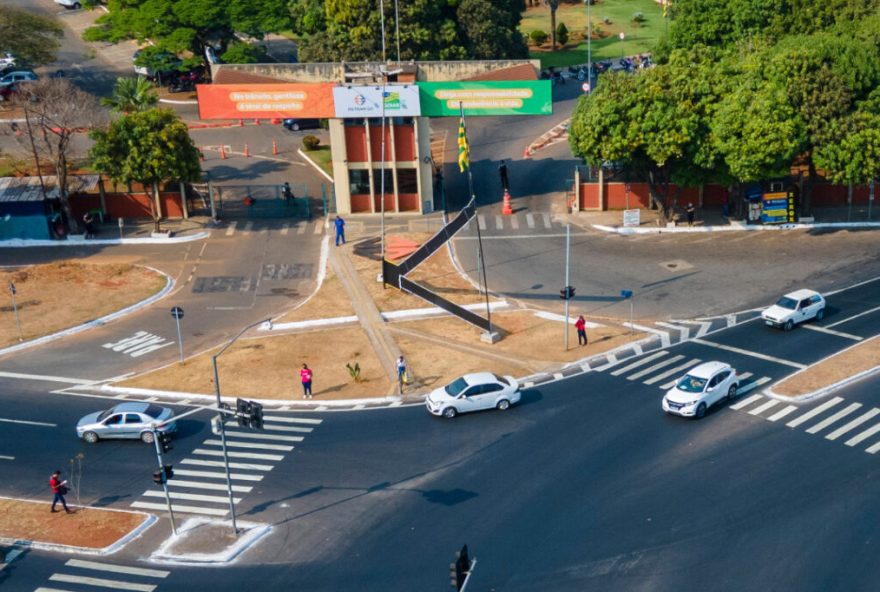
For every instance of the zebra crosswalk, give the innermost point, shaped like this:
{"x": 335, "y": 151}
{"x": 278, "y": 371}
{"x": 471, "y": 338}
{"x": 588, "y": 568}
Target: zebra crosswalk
{"x": 199, "y": 482}
{"x": 78, "y": 574}
{"x": 834, "y": 419}
{"x": 299, "y": 227}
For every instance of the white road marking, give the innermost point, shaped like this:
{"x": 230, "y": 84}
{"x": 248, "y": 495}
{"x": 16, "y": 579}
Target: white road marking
{"x": 234, "y": 444}
{"x": 180, "y": 508}
{"x": 678, "y": 369}
{"x": 852, "y": 425}
{"x": 253, "y": 455}
{"x": 684, "y": 332}
{"x": 253, "y": 436}
{"x": 44, "y": 378}
{"x": 814, "y": 412}
{"x": 863, "y": 435}
{"x": 285, "y": 228}
{"x": 704, "y": 327}
{"x": 248, "y": 226}
{"x": 547, "y": 223}
{"x": 753, "y": 385}
{"x": 743, "y": 376}
{"x": 115, "y": 584}
{"x": 284, "y": 419}
{"x": 202, "y": 485}
{"x": 319, "y": 228}
{"x": 4, "y": 457}
{"x": 780, "y": 414}
{"x": 656, "y": 366}
{"x": 762, "y": 408}
{"x": 192, "y": 497}
{"x": 217, "y": 475}
{"x": 220, "y": 463}
{"x": 135, "y": 571}
{"x": 836, "y": 417}
{"x": 481, "y": 220}
{"x": 499, "y": 223}
{"x": 832, "y": 332}
{"x": 846, "y": 320}
{"x": 25, "y": 422}
{"x": 514, "y": 222}
{"x": 663, "y": 335}
{"x": 289, "y": 429}
{"x": 231, "y": 229}
{"x": 746, "y": 402}
{"x": 873, "y": 448}
{"x": 301, "y": 228}
{"x": 530, "y": 220}
{"x": 746, "y": 352}
{"x": 638, "y": 363}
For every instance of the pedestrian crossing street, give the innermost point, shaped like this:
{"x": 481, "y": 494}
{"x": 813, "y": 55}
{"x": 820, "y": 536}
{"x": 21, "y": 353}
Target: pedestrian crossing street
{"x": 77, "y": 575}
{"x": 286, "y": 228}
{"x": 199, "y": 482}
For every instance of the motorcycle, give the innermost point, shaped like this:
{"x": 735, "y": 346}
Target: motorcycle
{"x": 7, "y": 62}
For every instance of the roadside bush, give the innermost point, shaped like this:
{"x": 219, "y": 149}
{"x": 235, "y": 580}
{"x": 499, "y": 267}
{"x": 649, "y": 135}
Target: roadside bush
{"x": 311, "y": 143}
{"x": 538, "y": 37}
{"x": 638, "y": 19}
{"x": 561, "y": 33}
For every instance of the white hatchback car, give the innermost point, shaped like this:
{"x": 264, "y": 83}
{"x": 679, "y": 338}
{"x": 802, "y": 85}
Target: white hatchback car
{"x": 701, "y": 388}
{"x": 795, "y": 308}
{"x": 473, "y": 392}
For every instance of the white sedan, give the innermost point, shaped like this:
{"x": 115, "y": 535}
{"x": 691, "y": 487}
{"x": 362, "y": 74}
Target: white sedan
{"x": 473, "y": 392}
{"x": 795, "y": 308}
{"x": 701, "y": 388}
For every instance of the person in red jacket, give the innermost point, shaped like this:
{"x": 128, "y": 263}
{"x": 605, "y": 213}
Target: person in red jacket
{"x": 581, "y": 326}
{"x": 59, "y": 488}
{"x": 305, "y": 375}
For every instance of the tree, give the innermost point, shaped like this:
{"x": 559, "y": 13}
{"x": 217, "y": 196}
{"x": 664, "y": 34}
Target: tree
{"x": 245, "y": 53}
{"x": 147, "y": 147}
{"x": 32, "y": 38}
{"x": 54, "y": 113}
{"x": 853, "y": 154}
{"x": 562, "y": 34}
{"x": 491, "y": 29}
{"x": 553, "y": 5}
{"x": 131, "y": 95}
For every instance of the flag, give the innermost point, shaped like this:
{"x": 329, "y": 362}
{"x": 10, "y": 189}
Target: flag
{"x": 463, "y": 156}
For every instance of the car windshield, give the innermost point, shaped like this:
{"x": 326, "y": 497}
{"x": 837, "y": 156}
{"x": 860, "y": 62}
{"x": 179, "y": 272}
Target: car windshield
{"x": 786, "y": 302}
{"x": 691, "y": 384}
{"x": 455, "y": 387}
{"x": 105, "y": 414}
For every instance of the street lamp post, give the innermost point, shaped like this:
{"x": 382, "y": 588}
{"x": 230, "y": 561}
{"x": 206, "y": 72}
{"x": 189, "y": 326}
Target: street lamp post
{"x": 589, "y": 4}
{"x": 622, "y": 36}
{"x": 223, "y": 423}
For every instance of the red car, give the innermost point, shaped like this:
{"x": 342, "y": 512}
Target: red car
{"x": 8, "y": 92}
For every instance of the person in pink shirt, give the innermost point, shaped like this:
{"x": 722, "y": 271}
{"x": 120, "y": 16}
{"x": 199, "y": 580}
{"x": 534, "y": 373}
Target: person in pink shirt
{"x": 305, "y": 375}
{"x": 581, "y": 326}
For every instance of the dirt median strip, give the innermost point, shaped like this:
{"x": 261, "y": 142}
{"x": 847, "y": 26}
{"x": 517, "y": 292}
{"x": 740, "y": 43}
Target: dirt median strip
{"x": 854, "y": 360}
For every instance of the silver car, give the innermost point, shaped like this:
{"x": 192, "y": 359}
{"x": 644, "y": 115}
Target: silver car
{"x": 126, "y": 420}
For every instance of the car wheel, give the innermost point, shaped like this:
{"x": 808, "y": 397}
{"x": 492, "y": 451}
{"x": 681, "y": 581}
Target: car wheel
{"x": 731, "y": 392}
{"x": 450, "y": 412}
{"x": 90, "y": 437}
{"x": 147, "y": 437}
{"x": 76, "y": 5}
{"x": 294, "y": 127}
{"x": 701, "y": 410}
{"x": 820, "y": 314}
{"x": 789, "y": 324}
{"x": 503, "y": 405}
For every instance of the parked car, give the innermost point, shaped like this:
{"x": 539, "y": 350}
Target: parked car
{"x": 69, "y": 4}
{"x": 795, "y": 308}
{"x": 18, "y": 76}
{"x": 7, "y": 62}
{"x": 8, "y": 92}
{"x": 126, "y": 420}
{"x": 700, "y": 388}
{"x": 170, "y": 63}
{"x": 473, "y": 392}
{"x": 296, "y": 124}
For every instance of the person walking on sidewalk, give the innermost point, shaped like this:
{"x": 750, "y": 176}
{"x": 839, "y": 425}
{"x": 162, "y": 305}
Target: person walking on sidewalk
{"x": 581, "y": 326}
{"x": 305, "y": 376}
{"x": 59, "y": 488}
{"x": 401, "y": 373}
{"x": 690, "y": 213}
{"x": 340, "y": 230}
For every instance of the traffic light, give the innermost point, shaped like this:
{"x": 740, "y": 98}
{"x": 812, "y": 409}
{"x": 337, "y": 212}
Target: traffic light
{"x": 458, "y": 571}
{"x": 256, "y": 415}
{"x": 567, "y": 293}
{"x": 243, "y": 412}
{"x": 164, "y": 441}
{"x": 159, "y": 477}
{"x": 169, "y": 471}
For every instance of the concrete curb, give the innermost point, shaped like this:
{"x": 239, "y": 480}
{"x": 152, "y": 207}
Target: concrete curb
{"x": 734, "y": 227}
{"x": 314, "y": 164}
{"x": 254, "y": 533}
{"x": 20, "y": 243}
{"x": 169, "y": 285}
{"x": 544, "y": 139}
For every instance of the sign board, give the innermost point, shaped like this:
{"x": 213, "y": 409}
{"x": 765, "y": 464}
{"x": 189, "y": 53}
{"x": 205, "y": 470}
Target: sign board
{"x": 368, "y": 101}
{"x": 631, "y": 218}
{"x": 517, "y": 97}
{"x": 626, "y": 294}
{"x": 586, "y": 87}
{"x": 177, "y": 312}
{"x": 265, "y": 101}
{"x": 777, "y": 208}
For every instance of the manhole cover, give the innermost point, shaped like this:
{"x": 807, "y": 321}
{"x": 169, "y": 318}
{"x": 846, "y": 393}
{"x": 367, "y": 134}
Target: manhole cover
{"x": 676, "y": 265}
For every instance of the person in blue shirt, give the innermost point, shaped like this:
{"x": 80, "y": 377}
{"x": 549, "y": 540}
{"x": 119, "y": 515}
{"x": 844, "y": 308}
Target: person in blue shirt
{"x": 340, "y": 230}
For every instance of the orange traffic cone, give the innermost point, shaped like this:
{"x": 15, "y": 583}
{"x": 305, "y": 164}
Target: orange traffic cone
{"x": 246, "y": 151}
{"x": 256, "y": 122}
{"x": 274, "y": 147}
{"x": 222, "y": 152}
{"x": 240, "y": 123}
{"x": 506, "y": 209}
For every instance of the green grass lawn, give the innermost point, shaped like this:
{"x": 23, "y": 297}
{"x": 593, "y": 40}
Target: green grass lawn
{"x": 638, "y": 39}
{"x": 322, "y": 157}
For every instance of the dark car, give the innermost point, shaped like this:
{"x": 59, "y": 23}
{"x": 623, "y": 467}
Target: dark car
{"x": 295, "y": 125}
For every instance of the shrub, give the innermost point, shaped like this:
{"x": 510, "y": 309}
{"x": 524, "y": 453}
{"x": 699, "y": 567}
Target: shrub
{"x": 538, "y": 37}
{"x": 638, "y": 18}
{"x": 311, "y": 143}
{"x": 561, "y": 33}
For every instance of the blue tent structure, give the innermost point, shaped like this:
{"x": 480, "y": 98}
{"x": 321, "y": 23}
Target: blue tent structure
{"x": 24, "y": 211}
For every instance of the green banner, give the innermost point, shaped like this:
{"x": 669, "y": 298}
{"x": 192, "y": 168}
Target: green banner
{"x": 518, "y": 97}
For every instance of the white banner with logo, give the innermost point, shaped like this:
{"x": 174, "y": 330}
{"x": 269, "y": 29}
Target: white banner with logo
{"x": 367, "y": 101}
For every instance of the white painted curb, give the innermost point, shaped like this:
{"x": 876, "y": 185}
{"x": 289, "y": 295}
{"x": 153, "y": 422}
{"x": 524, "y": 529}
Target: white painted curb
{"x": 314, "y": 164}
{"x": 731, "y": 228}
{"x": 20, "y": 243}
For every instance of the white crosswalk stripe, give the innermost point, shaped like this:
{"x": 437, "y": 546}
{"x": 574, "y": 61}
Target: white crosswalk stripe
{"x": 183, "y": 508}
{"x": 762, "y": 408}
{"x": 863, "y": 435}
{"x": 301, "y": 228}
{"x": 782, "y": 413}
{"x": 546, "y": 218}
{"x": 499, "y": 222}
{"x": 255, "y": 436}
{"x": 283, "y": 419}
{"x": 514, "y": 222}
{"x": 655, "y": 367}
{"x": 853, "y": 424}
{"x": 123, "y": 569}
{"x": 834, "y": 418}
{"x": 481, "y": 220}
{"x": 232, "y": 465}
{"x": 814, "y": 412}
{"x": 217, "y": 475}
{"x": 250, "y": 445}
{"x": 530, "y": 220}
{"x": 248, "y": 226}
{"x": 103, "y": 582}
{"x": 193, "y": 497}
{"x": 285, "y": 228}
{"x": 319, "y": 227}
{"x": 289, "y": 429}
{"x": 230, "y": 230}
{"x": 873, "y": 449}
{"x": 231, "y": 454}
{"x": 203, "y": 485}
{"x": 673, "y": 371}
{"x": 746, "y": 402}
{"x": 641, "y": 362}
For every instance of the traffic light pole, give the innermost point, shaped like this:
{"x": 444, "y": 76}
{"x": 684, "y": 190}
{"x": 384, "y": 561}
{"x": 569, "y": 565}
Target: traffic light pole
{"x": 164, "y": 479}
{"x": 567, "y": 293}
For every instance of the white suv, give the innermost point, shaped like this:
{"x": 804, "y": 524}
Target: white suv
{"x": 701, "y": 388}
{"x": 795, "y": 308}
{"x": 74, "y": 4}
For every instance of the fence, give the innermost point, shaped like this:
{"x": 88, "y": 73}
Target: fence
{"x": 261, "y": 201}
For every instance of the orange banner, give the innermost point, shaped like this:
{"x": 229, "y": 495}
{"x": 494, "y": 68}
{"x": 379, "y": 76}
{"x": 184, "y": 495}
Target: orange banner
{"x": 266, "y": 101}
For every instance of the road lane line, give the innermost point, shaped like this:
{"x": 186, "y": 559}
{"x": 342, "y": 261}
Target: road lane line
{"x": 780, "y": 414}
{"x": 514, "y": 222}
{"x": 746, "y": 352}
{"x": 180, "y": 508}
{"x": 481, "y": 220}
{"x": 873, "y": 448}
{"x": 220, "y": 463}
{"x": 252, "y": 436}
{"x": 217, "y": 475}
{"x": 832, "y": 332}
{"x": 135, "y": 571}
{"x": 202, "y": 485}
{"x": 747, "y": 402}
{"x": 289, "y": 429}
{"x": 814, "y": 412}
{"x": 305, "y": 420}
{"x": 285, "y": 228}
{"x": 26, "y": 422}
{"x": 753, "y": 385}
{"x": 657, "y": 366}
{"x": 852, "y": 425}
{"x": 115, "y": 584}
{"x": 499, "y": 223}
{"x": 253, "y": 455}
{"x": 547, "y": 223}
{"x": 301, "y": 228}
{"x": 846, "y": 320}
{"x": 638, "y": 363}
{"x": 231, "y": 229}
{"x": 234, "y": 444}
{"x": 837, "y": 416}
{"x": 762, "y": 408}
{"x": 530, "y": 220}
{"x": 44, "y": 378}
{"x": 192, "y": 497}
{"x": 863, "y": 435}
{"x": 4, "y": 457}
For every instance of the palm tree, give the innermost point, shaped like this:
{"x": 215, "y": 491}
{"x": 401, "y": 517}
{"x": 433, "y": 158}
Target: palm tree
{"x": 553, "y": 5}
{"x": 132, "y": 95}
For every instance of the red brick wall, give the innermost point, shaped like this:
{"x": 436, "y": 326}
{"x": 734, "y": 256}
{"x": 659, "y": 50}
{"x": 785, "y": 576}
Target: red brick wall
{"x": 360, "y": 203}
{"x": 356, "y": 143}
{"x": 127, "y": 205}
{"x": 405, "y": 142}
{"x": 376, "y": 141}
{"x": 409, "y": 202}
{"x": 389, "y": 202}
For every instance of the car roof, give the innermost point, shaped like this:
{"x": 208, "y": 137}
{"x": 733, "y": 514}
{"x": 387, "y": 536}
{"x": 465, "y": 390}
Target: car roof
{"x": 132, "y": 407}
{"x": 801, "y": 294}
{"x": 479, "y": 378}
{"x": 707, "y": 369}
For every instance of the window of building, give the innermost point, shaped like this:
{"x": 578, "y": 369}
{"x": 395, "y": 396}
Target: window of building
{"x": 407, "y": 181}
{"x": 403, "y": 121}
{"x": 389, "y": 181}
{"x": 353, "y": 122}
{"x": 359, "y": 182}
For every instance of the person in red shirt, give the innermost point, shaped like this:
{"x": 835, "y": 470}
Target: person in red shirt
{"x": 581, "y": 326}
{"x": 59, "y": 488}
{"x": 305, "y": 375}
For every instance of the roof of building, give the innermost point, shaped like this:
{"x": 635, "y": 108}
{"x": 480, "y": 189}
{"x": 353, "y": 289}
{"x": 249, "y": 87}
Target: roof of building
{"x": 16, "y": 189}
{"x": 519, "y": 72}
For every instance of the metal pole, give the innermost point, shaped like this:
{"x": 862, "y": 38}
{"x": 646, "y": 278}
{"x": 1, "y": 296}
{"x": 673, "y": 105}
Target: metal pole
{"x": 382, "y": 165}
{"x": 164, "y": 480}
{"x": 567, "y": 251}
{"x": 179, "y": 338}
{"x": 211, "y": 200}
{"x": 589, "y": 46}
{"x": 382, "y": 24}
{"x": 631, "y": 298}
{"x": 483, "y": 265}
{"x": 15, "y": 309}
{"x": 397, "y": 30}
{"x": 870, "y": 198}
